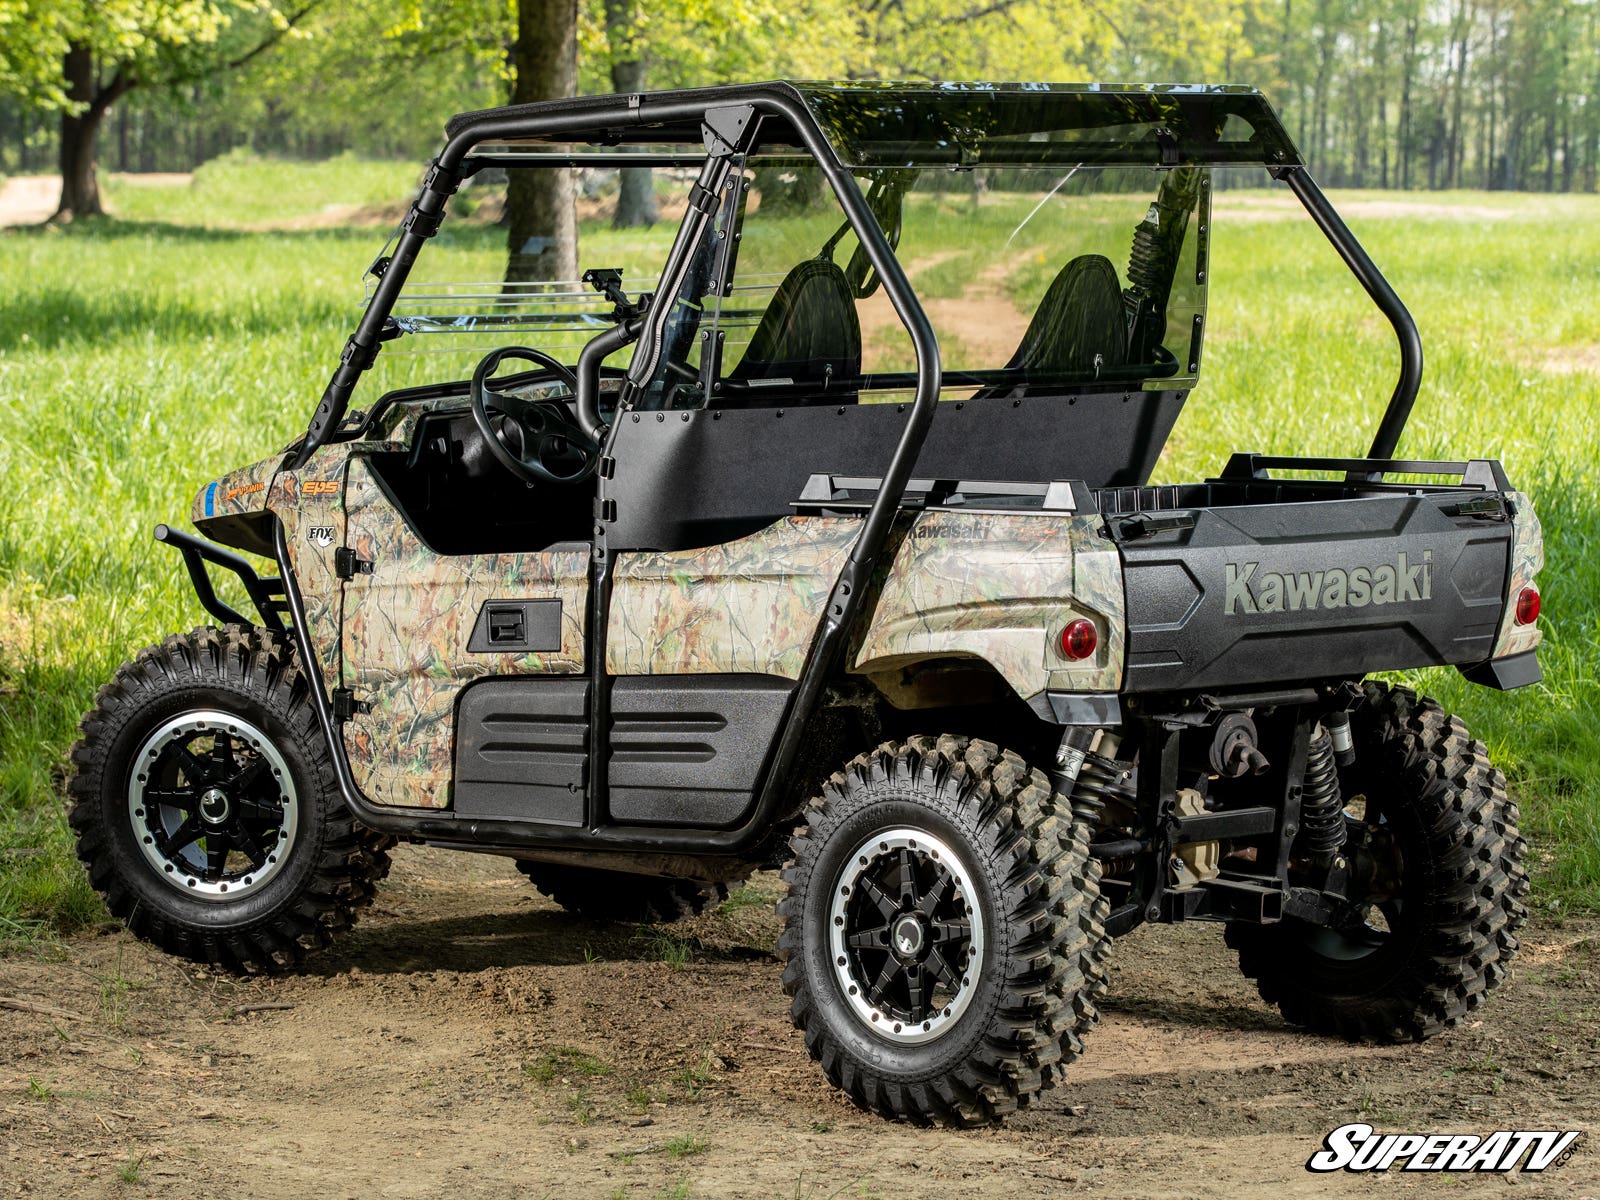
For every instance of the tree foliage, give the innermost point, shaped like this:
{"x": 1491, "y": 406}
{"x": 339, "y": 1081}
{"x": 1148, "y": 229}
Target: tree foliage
{"x": 1419, "y": 93}
{"x": 142, "y": 41}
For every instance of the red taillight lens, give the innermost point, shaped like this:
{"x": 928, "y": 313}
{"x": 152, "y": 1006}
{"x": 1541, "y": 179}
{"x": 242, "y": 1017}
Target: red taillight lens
{"x": 1528, "y": 606}
{"x": 1079, "y": 639}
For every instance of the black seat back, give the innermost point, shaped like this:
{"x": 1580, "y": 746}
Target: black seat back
{"x": 810, "y": 329}
{"x": 1080, "y": 326}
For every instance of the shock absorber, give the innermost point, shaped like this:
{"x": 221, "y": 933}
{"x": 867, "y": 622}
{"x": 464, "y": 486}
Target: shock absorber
{"x": 1322, "y": 825}
{"x": 1087, "y": 772}
{"x": 1096, "y": 778}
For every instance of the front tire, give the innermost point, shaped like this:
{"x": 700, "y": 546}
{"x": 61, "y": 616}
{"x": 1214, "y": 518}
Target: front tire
{"x": 943, "y": 932}
{"x": 206, "y": 808}
{"x": 1428, "y": 954}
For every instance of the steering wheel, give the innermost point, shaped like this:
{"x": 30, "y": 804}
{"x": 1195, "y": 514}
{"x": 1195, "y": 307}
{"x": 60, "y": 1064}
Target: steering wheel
{"x": 529, "y": 431}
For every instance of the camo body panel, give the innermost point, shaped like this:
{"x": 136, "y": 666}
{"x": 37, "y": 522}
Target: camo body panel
{"x": 1000, "y": 587}
{"x": 750, "y": 606}
{"x": 396, "y": 429}
{"x": 236, "y": 493}
{"x": 310, "y": 504}
{"x": 404, "y": 639}
{"x": 1527, "y": 560}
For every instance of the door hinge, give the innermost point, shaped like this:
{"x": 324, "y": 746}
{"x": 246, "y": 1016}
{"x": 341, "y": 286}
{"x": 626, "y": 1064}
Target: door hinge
{"x": 347, "y": 566}
{"x": 345, "y": 704}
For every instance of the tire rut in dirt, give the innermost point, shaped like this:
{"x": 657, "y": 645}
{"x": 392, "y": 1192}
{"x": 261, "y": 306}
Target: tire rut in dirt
{"x": 1044, "y": 965}
{"x": 334, "y": 863}
{"x": 1463, "y": 867}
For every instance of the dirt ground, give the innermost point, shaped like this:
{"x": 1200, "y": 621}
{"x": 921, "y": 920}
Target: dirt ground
{"x": 469, "y": 1039}
{"x": 28, "y": 199}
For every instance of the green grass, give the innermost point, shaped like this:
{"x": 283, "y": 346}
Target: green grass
{"x": 564, "y": 1062}
{"x": 240, "y": 191}
{"x": 141, "y": 357}
{"x": 677, "y": 953}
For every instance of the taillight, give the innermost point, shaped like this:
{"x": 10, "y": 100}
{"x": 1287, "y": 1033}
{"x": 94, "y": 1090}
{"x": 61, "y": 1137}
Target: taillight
{"x": 1528, "y": 606}
{"x": 1079, "y": 639}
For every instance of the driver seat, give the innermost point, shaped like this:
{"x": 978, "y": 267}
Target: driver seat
{"x": 810, "y": 331}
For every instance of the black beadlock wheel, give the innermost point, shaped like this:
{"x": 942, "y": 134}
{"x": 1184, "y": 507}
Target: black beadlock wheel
{"x": 1427, "y": 952}
{"x": 621, "y": 896}
{"x": 206, "y": 808}
{"x": 943, "y": 932}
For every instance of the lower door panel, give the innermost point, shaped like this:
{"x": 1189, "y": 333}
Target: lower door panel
{"x": 688, "y": 749}
{"x": 522, "y": 750}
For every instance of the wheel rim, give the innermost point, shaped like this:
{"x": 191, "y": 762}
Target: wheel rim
{"x": 906, "y": 935}
{"x": 212, "y": 805}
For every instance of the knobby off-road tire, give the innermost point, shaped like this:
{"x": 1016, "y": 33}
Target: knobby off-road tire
{"x": 1453, "y": 934}
{"x": 294, "y": 869}
{"x": 980, "y": 832}
{"x": 621, "y": 896}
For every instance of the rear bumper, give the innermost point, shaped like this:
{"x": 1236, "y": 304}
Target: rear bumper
{"x": 1513, "y": 671}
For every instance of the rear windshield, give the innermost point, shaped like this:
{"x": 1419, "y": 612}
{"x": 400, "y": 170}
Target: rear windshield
{"x": 1037, "y": 281}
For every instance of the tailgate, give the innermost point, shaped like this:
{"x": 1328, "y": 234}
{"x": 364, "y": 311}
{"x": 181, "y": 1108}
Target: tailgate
{"x": 1314, "y": 589}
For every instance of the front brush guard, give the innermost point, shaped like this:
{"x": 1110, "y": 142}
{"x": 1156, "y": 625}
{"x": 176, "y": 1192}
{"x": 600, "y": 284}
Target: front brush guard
{"x": 268, "y": 595}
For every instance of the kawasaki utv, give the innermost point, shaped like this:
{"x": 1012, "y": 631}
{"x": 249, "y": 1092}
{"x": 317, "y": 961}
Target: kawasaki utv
{"x": 832, "y": 540}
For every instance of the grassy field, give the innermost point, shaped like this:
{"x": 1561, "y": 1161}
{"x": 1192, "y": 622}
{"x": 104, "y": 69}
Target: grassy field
{"x": 140, "y": 358}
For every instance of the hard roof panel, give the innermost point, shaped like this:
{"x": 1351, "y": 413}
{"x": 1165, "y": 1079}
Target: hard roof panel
{"x": 968, "y": 124}
{"x": 896, "y": 124}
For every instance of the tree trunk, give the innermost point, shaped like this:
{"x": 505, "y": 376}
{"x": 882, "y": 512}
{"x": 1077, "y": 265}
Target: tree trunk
{"x": 541, "y": 202}
{"x": 1381, "y": 51}
{"x": 1407, "y": 121}
{"x": 80, "y": 186}
{"x": 1453, "y": 148}
{"x": 636, "y": 196}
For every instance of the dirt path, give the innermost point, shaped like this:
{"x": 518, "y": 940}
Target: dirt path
{"x": 469, "y": 1040}
{"x": 28, "y": 199}
{"x": 983, "y": 320}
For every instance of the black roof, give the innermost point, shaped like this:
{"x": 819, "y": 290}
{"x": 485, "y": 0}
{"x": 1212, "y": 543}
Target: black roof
{"x": 888, "y": 124}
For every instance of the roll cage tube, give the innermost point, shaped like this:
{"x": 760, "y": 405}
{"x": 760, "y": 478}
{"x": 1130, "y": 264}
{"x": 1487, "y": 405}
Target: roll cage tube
{"x": 725, "y": 132}
{"x": 846, "y": 595}
{"x": 1383, "y": 295}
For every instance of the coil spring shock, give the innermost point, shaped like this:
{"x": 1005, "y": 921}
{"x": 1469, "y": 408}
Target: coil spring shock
{"x": 1096, "y": 778}
{"x": 1322, "y": 825}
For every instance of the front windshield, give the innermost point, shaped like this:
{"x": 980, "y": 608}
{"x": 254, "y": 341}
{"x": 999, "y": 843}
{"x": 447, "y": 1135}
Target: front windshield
{"x": 1036, "y": 280}
{"x": 455, "y": 306}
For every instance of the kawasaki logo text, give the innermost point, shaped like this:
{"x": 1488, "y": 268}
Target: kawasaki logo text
{"x": 1400, "y": 582}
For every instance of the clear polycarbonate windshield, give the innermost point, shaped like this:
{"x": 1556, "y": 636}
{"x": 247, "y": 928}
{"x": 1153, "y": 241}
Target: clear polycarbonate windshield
{"x": 1036, "y": 281}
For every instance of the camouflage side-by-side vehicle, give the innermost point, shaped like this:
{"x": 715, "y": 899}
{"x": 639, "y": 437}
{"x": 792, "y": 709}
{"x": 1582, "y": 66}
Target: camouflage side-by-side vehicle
{"x": 834, "y": 544}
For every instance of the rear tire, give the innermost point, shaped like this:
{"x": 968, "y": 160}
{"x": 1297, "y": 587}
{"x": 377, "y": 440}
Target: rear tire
{"x": 1450, "y": 934}
{"x": 975, "y": 992}
{"x": 206, "y": 808}
{"x": 621, "y": 896}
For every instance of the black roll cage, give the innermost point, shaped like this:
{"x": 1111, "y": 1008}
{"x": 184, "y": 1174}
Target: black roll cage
{"x": 728, "y": 117}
